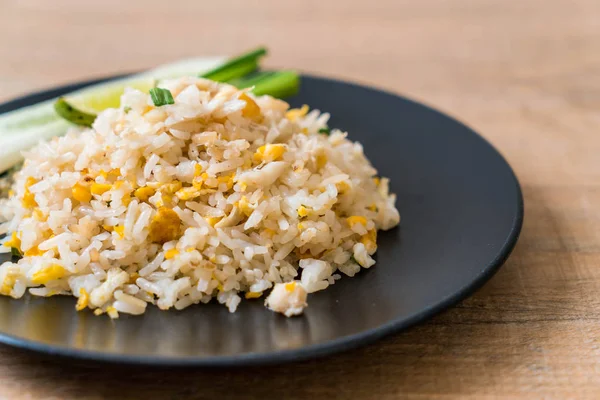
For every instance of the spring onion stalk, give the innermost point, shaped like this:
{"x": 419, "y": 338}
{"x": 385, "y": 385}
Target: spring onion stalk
{"x": 161, "y": 97}
{"x": 237, "y": 66}
{"x": 275, "y": 83}
{"x": 251, "y": 79}
{"x": 281, "y": 84}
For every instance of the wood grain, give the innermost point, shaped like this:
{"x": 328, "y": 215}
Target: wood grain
{"x": 526, "y": 74}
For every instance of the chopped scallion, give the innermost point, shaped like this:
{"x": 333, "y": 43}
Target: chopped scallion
{"x": 279, "y": 84}
{"x": 15, "y": 252}
{"x": 251, "y": 79}
{"x": 325, "y": 130}
{"x": 237, "y": 66}
{"x": 161, "y": 97}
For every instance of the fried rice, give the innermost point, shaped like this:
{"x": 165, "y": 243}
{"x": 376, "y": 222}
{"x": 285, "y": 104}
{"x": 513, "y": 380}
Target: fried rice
{"x": 220, "y": 195}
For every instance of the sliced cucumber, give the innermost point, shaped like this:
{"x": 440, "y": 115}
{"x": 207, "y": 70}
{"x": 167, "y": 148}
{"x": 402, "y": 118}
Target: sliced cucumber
{"x": 23, "y": 128}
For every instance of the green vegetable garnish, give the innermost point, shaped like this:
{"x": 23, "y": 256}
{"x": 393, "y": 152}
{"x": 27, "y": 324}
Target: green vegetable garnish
{"x": 325, "y": 130}
{"x": 280, "y": 84}
{"x": 239, "y": 71}
{"x": 237, "y": 66}
{"x": 251, "y": 79}
{"x": 127, "y": 109}
{"x": 275, "y": 83}
{"x": 72, "y": 114}
{"x": 161, "y": 97}
{"x": 15, "y": 252}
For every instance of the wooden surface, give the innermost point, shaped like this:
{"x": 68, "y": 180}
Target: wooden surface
{"x": 526, "y": 74}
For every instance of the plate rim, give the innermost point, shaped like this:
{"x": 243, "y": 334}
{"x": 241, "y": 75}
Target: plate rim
{"x": 329, "y": 347}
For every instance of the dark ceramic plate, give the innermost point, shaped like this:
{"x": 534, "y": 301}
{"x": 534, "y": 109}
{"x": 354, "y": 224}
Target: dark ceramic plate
{"x": 461, "y": 209}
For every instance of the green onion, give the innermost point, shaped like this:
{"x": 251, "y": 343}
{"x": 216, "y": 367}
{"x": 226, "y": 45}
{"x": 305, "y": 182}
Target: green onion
{"x": 72, "y": 114}
{"x": 236, "y": 67}
{"x": 280, "y": 84}
{"x": 161, "y": 97}
{"x": 275, "y": 83}
{"x": 15, "y": 252}
{"x": 251, "y": 79}
{"x": 325, "y": 130}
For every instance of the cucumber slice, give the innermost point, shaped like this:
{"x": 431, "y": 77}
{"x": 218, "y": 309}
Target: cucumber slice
{"x": 93, "y": 101}
{"x": 23, "y": 128}
{"x": 43, "y": 113}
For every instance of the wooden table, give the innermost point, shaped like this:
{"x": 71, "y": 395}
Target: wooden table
{"x": 526, "y": 74}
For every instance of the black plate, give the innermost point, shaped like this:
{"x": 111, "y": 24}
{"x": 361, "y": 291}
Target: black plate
{"x": 461, "y": 209}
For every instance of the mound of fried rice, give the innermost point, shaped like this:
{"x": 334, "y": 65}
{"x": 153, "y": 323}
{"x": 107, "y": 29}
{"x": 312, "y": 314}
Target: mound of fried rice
{"x": 221, "y": 195}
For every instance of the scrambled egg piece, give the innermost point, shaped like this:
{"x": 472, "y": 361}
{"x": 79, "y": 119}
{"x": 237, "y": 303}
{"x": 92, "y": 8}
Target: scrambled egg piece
{"x": 28, "y": 197}
{"x": 39, "y": 215}
{"x": 120, "y": 231}
{"x": 370, "y": 241}
{"x": 169, "y": 254}
{"x": 356, "y": 219}
{"x": 342, "y": 187}
{"x": 212, "y": 221}
{"x": 269, "y": 232}
{"x": 9, "y": 281}
{"x": 113, "y": 173}
{"x": 321, "y": 160}
{"x": 296, "y": 113}
{"x": 188, "y": 193}
{"x": 133, "y": 277}
{"x": 251, "y": 110}
{"x": 83, "y": 300}
{"x": 14, "y": 241}
{"x": 165, "y": 226}
{"x": 290, "y": 286}
{"x": 126, "y": 200}
{"x": 171, "y": 187}
{"x": 245, "y": 206}
{"x": 112, "y": 312}
{"x": 227, "y": 180}
{"x": 287, "y": 298}
{"x": 100, "y": 188}
{"x": 81, "y": 193}
{"x": 34, "y": 251}
{"x": 303, "y": 211}
{"x": 48, "y": 274}
{"x": 269, "y": 152}
{"x": 167, "y": 191}
{"x": 143, "y": 193}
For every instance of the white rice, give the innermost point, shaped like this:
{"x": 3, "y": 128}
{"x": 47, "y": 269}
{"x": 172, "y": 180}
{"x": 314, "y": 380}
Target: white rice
{"x": 221, "y": 195}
